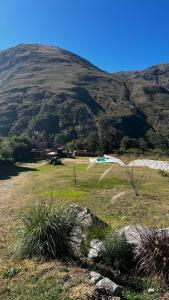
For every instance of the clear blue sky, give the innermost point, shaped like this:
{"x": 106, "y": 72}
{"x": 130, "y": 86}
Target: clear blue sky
{"x": 113, "y": 34}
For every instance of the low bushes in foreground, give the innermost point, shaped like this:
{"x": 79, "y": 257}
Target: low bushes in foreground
{"x": 116, "y": 252}
{"x": 45, "y": 230}
{"x": 153, "y": 253}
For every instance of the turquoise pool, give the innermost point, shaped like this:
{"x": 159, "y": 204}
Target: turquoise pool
{"x": 102, "y": 160}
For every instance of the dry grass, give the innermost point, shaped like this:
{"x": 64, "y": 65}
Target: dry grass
{"x": 38, "y": 279}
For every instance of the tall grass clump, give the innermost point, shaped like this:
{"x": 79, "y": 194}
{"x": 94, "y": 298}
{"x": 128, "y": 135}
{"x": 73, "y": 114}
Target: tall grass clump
{"x": 153, "y": 253}
{"x": 45, "y": 231}
{"x": 116, "y": 252}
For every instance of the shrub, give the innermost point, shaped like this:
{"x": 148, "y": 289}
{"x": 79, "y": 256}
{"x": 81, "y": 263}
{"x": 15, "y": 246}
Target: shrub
{"x": 11, "y": 272}
{"x": 163, "y": 173}
{"x": 45, "y": 231}
{"x": 62, "y": 138}
{"x": 128, "y": 143}
{"x": 97, "y": 231}
{"x": 116, "y": 252}
{"x": 5, "y": 149}
{"x": 134, "y": 151}
{"x": 153, "y": 253}
{"x": 157, "y": 140}
{"x": 90, "y": 144}
{"x": 15, "y": 148}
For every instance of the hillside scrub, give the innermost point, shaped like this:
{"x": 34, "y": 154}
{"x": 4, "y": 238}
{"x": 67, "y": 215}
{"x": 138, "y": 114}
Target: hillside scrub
{"x": 152, "y": 142}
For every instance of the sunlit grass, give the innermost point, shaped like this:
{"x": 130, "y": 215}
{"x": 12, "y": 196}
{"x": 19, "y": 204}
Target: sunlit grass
{"x": 151, "y": 208}
{"x": 89, "y": 191}
{"x": 44, "y": 282}
{"x": 106, "y": 183}
{"x": 67, "y": 194}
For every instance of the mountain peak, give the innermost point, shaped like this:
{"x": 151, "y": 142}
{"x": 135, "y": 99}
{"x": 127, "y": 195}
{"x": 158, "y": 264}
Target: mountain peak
{"x": 57, "y": 92}
{"x": 44, "y": 52}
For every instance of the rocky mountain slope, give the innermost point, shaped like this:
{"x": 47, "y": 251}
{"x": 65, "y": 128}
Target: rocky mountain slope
{"x": 52, "y": 90}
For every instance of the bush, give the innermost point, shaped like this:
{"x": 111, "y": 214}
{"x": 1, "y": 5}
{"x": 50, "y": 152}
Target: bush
{"x": 116, "y": 252}
{"x": 134, "y": 151}
{"x": 11, "y": 272}
{"x": 45, "y": 231}
{"x": 163, "y": 173}
{"x": 21, "y": 151}
{"x": 160, "y": 152}
{"x": 97, "y": 231}
{"x": 62, "y": 138}
{"x": 127, "y": 143}
{"x": 153, "y": 253}
{"x": 157, "y": 139}
{"x": 5, "y": 149}
{"x": 90, "y": 144}
{"x": 15, "y": 148}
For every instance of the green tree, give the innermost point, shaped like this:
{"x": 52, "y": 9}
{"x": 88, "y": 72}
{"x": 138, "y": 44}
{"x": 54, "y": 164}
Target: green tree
{"x": 15, "y": 148}
{"x": 157, "y": 140}
{"x": 128, "y": 143}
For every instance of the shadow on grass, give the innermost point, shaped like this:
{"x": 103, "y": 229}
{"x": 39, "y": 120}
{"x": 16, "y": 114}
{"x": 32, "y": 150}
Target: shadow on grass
{"x": 8, "y": 170}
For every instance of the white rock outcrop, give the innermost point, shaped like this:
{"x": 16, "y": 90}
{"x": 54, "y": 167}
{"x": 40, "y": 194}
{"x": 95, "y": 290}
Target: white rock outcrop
{"x": 152, "y": 164}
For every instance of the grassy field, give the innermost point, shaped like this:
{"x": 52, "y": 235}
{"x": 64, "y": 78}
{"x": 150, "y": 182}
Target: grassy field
{"x": 151, "y": 207}
{"x": 111, "y": 198}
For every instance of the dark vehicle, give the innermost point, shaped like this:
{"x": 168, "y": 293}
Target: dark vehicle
{"x": 55, "y": 161}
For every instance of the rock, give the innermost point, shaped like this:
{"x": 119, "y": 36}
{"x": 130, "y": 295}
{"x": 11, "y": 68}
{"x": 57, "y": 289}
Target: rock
{"x": 85, "y": 220}
{"x": 106, "y": 287}
{"x": 151, "y": 290}
{"x": 95, "y": 277}
{"x": 95, "y": 249}
{"x": 133, "y": 234}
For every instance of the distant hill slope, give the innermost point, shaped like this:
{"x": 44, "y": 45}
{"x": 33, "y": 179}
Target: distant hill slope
{"x": 54, "y": 91}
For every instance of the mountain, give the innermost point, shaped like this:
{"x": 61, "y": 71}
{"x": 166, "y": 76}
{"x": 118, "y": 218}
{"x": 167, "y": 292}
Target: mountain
{"x": 55, "y": 92}
{"x": 158, "y": 74}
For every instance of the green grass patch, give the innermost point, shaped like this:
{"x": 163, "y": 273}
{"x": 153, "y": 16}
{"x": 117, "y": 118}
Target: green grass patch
{"x": 106, "y": 183}
{"x": 128, "y": 295}
{"x": 47, "y": 168}
{"x": 65, "y": 194}
{"x": 136, "y": 288}
{"x": 11, "y": 272}
{"x": 35, "y": 288}
{"x": 81, "y": 168}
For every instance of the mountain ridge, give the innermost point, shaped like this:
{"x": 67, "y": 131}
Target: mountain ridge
{"x": 56, "y": 92}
